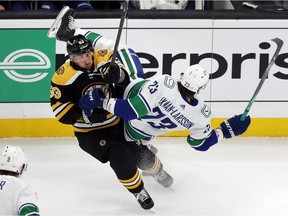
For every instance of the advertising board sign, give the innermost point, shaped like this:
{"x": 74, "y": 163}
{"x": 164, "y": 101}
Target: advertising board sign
{"x": 27, "y": 63}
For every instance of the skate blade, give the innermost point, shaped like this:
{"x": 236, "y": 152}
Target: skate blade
{"x": 55, "y": 26}
{"x": 151, "y": 211}
{"x": 171, "y": 188}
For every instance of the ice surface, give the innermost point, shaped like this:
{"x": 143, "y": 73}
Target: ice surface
{"x": 240, "y": 176}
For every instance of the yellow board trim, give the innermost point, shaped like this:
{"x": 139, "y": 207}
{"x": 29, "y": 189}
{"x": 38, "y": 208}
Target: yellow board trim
{"x": 50, "y": 127}
{"x": 34, "y": 128}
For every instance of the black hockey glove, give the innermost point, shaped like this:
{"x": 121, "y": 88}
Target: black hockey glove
{"x": 98, "y": 115}
{"x": 110, "y": 72}
{"x": 234, "y": 127}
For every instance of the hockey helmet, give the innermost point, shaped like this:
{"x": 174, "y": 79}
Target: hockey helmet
{"x": 13, "y": 159}
{"x": 194, "y": 78}
{"x": 78, "y": 44}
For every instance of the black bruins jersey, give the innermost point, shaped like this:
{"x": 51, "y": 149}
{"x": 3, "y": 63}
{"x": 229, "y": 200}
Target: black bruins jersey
{"x": 69, "y": 84}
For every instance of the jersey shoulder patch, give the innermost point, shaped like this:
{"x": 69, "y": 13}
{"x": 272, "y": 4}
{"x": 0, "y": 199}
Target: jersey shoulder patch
{"x": 169, "y": 82}
{"x": 65, "y": 74}
{"x": 206, "y": 111}
{"x": 102, "y": 52}
{"x": 102, "y": 56}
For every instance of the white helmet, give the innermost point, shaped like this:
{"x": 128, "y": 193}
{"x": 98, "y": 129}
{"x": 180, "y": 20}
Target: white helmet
{"x": 13, "y": 159}
{"x": 194, "y": 78}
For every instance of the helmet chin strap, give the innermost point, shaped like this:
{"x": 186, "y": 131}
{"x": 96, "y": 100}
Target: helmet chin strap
{"x": 23, "y": 169}
{"x": 200, "y": 90}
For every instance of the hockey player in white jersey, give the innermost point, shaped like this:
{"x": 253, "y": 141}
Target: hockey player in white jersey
{"x": 16, "y": 197}
{"x": 163, "y": 104}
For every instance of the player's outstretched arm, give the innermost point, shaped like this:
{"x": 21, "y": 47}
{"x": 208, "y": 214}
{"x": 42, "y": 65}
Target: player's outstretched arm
{"x": 228, "y": 129}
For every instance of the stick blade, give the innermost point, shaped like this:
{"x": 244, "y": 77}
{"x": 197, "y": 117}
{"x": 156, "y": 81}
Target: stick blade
{"x": 278, "y": 41}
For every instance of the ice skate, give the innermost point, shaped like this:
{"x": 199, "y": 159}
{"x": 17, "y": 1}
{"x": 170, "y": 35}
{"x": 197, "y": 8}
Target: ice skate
{"x": 144, "y": 199}
{"x": 63, "y": 27}
{"x": 152, "y": 148}
{"x": 163, "y": 178}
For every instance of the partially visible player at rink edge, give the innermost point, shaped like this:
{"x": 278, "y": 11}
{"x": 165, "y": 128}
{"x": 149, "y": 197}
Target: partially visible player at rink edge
{"x": 101, "y": 134}
{"x": 162, "y": 104}
{"x": 16, "y": 196}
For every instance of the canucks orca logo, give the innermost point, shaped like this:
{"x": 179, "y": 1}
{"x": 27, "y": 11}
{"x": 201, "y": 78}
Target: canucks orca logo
{"x": 206, "y": 111}
{"x": 25, "y": 59}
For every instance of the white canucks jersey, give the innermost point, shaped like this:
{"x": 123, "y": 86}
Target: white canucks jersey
{"x": 127, "y": 56}
{"x": 16, "y": 197}
{"x": 167, "y": 110}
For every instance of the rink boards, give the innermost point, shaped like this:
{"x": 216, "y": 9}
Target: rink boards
{"x": 236, "y": 52}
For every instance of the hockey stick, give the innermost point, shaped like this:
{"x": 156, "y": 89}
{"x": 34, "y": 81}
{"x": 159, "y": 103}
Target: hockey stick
{"x": 123, "y": 16}
{"x": 125, "y": 9}
{"x": 279, "y": 43}
{"x": 257, "y": 7}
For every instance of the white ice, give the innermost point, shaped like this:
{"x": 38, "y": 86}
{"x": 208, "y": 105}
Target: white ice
{"x": 240, "y": 176}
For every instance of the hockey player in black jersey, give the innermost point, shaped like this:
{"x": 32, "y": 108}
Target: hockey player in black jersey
{"x": 100, "y": 135}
